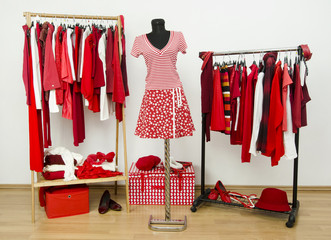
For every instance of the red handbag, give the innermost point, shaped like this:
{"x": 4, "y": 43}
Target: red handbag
{"x": 305, "y": 51}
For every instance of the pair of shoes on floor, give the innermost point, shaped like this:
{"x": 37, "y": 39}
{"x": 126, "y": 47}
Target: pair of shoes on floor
{"x": 219, "y": 190}
{"x": 107, "y": 203}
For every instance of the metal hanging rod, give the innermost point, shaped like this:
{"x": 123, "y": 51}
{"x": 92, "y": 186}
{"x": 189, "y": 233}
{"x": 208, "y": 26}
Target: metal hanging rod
{"x": 54, "y": 15}
{"x": 289, "y": 49}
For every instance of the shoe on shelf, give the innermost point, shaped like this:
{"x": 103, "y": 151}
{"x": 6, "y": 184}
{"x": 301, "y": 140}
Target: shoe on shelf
{"x": 222, "y": 191}
{"x": 213, "y": 195}
{"x": 104, "y": 202}
{"x": 114, "y": 205}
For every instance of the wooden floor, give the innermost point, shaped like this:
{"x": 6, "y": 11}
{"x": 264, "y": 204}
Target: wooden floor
{"x": 209, "y": 222}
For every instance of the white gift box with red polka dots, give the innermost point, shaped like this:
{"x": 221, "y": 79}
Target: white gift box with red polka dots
{"x": 147, "y": 187}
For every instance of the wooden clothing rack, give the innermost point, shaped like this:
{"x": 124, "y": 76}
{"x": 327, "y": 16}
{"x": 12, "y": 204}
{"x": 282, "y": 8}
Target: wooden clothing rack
{"x": 40, "y": 181}
{"x": 205, "y": 192}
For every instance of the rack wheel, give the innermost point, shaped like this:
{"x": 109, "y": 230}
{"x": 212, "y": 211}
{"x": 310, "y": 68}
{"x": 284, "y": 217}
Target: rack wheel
{"x": 290, "y": 222}
{"x": 193, "y": 209}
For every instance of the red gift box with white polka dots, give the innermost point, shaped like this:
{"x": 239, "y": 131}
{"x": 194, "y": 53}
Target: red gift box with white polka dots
{"x": 147, "y": 187}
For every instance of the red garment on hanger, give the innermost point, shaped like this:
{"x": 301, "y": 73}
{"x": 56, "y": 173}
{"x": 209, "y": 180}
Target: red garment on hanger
{"x": 109, "y": 62}
{"x": 51, "y": 76}
{"x": 217, "y": 112}
{"x": 207, "y": 89}
{"x": 35, "y": 132}
{"x": 45, "y": 113}
{"x": 248, "y": 113}
{"x": 297, "y": 97}
{"x": 58, "y": 52}
{"x": 235, "y": 93}
{"x": 118, "y": 91}
{"x": 275, "y": 143}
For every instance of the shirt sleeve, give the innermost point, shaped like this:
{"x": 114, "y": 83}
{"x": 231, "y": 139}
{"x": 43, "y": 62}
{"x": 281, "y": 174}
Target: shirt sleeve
{"x": 136, "y": 52}
{"x": 182, "y": 44}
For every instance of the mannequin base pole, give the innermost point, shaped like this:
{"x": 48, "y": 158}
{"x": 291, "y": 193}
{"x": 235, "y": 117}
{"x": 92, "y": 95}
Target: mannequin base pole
{"x": 167, "y": 225}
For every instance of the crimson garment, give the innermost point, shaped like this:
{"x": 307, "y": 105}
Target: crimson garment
{"x": 207, "y": 89}
{"x": 248, "y": 113}
{"x": 217, "y": 114}
{"x": 123, "y": 67}
{"x": 26, "y": 68}
{"x": 45, "y": 113}
{"x": 109, "y": 61}
{"x": 269, "y": 63}
{"x": 51, "y": 76}
{"x": 58, "y": 52}
{"x": 78, "y": 122}
{"x": 296, "y": 99}
{"x": 305, "y": 100}
{"x": 36, "y": 150}
{"x": 118, "y": 91}
{"x": 275, "y": 143}
{"x": 97, "y": 70}
{"x": 87, "y": 81}
{"x": 235, "y": 95}
{"x": 243, "y": 83}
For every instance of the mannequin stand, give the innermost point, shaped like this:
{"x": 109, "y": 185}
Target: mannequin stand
{"x": 168, "y": 224}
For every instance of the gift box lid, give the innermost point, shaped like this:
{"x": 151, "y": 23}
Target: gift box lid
{"x": 159, "y": 171}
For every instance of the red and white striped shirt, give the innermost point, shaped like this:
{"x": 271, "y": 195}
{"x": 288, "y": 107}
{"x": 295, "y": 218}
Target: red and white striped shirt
{"x": 161, "y": 63}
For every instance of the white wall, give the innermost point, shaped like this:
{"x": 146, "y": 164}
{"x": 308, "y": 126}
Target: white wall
{"x": 207, "y": 25}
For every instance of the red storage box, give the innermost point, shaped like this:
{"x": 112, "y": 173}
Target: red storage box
{"x": 67, "y": 201}
{"x": 147, "y": 187}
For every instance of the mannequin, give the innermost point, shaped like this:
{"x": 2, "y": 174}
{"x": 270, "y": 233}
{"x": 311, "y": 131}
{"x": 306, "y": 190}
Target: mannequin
{"x": 164, "y": 112}
{"x": 159, "y": 36}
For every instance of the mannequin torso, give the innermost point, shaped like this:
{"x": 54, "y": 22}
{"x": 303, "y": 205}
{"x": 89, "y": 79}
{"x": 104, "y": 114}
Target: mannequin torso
{"x": 159, "y": 36}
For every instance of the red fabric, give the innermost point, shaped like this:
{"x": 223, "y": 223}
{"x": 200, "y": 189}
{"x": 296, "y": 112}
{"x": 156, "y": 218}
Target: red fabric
{"x": 275, "y": 144}
{"x": 235, "y": 93}
{"x": 35, "y": 133}
{"x": 147, "y": 163}
{"x": 66, "y": 74}
{"x": 26, "y": 68}
{"x": 87, "y": 81}
{"x": 217, "y": 113}
{"x": 87, "y": 171}
{"x": 99, "y": 158}
{"x": 118, "y": 93}
{"x": 58, "y": 52}
{"x": 109, "y": 61}
{"x": 243, "y": 83}
{"x": 248, "y": 114}
{"x": 297, "y": 97}
{"x": 78, "y": 122}
{"x": 207, "y": 89}
{"x": 99, "y": 79}
{"x": 45, "y": 112}
{"x": 51, "y": 76}
{"x": 53, "y": 175}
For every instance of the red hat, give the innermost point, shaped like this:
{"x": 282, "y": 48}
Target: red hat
{"x": 147, "y": 163}
{"x": 273, "y": 199}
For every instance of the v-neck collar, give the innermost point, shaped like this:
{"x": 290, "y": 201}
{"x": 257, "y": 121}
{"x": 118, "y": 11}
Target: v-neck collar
{"x": 165, "y": 48}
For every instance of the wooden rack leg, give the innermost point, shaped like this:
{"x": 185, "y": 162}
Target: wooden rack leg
{"x": 32, "y": 198}
{"x": 116, "y": 149}
{"x": 125, "y": 162}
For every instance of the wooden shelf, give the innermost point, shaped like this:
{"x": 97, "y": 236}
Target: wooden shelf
{"x": 47, "y": 183}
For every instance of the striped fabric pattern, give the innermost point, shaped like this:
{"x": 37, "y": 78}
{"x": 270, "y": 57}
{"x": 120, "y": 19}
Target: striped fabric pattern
{"x": 161, "y": 63}
{"x": 226, "y": 99}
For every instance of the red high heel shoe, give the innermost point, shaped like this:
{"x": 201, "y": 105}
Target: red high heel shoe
{"x": 213, "y": 195}
{"x": 222, "y": 191}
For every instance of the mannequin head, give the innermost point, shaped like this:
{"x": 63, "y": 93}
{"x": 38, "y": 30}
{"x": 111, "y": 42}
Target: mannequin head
{"x": 158, "y": 25}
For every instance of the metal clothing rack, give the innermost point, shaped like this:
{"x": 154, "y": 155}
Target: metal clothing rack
{"x": 40, "y": 182}
{"x": 205, "y": 192}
